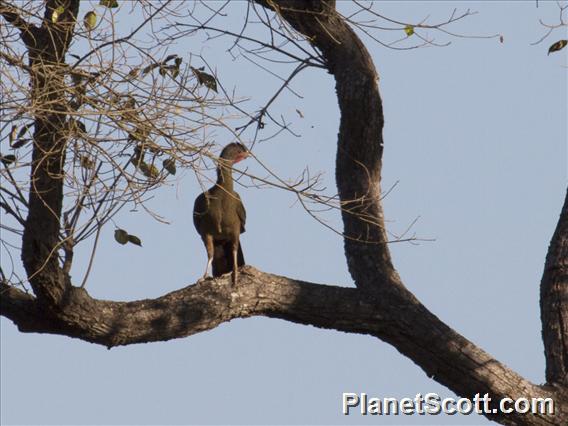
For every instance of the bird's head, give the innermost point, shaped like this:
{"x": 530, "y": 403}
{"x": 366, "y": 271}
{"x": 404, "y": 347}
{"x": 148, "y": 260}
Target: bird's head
{"x": 234, "y": 152}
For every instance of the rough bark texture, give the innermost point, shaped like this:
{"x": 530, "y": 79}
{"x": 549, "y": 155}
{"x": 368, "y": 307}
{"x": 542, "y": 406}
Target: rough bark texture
{"x": 554, "y": 303}
{"x": 380, "y": 305}
{"x": 40, "y": 242}
{"x": 443, "y": 354}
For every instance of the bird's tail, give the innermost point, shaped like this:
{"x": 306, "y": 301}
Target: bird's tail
{"x": 223, "y": 258}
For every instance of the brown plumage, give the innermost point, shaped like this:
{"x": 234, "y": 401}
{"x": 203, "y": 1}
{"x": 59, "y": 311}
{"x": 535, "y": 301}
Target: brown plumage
{"x": 219, "y": 216}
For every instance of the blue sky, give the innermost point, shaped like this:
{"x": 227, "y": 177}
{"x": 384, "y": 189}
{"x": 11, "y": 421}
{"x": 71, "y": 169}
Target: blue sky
{"x": 475, "y": 138}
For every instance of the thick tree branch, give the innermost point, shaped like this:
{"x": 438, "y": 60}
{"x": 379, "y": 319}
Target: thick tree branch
{"x": 24, "y": 310}
{"x": 209, "y": 303}
{"x": 41, "y": 241}
{"x": 554, "y": 303}
{"x": 12, "y": 15}
{"x": 381, "y": 306}
{"x": 360, "y": 140}
{"x": 358, "y": 172}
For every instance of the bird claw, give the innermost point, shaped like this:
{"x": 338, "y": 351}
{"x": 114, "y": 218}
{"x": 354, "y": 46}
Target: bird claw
{"x": 246, "y": 270}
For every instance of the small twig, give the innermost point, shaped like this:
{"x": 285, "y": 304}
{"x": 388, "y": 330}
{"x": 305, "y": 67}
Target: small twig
{"x": 92, "y": 258}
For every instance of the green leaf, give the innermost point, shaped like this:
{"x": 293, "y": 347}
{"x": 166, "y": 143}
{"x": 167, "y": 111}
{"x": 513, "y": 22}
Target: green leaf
{"x": 170, "y": 165}
{"x": 20, "y": 140}
{"x": 150, "y": 171}
{"x": 206, "y": 79}
{"x": 134, "y": 240}
{"x": 139, "y": 151}
{"x": 24, "y": 129}
{"x": 121, "y": 236}
{"x": 56, "y": 14}
{"x": 154, "y": 172}
{"x": 559, "y": 45}
{"x": 12, "y": 134}
{"x": 90, "y": 20}
{"x": 7, "y": 159}
{"x": 139, "y": 134}
{"x": 174, "y": 71}
{"x": 133, "y": 73}
{"x": 138, "y": 156}
{"x": 111, "y": 4}
{"x": 409, "y": 30}
{"x": 149, "y": 68}
{"x": 20, "y": 143}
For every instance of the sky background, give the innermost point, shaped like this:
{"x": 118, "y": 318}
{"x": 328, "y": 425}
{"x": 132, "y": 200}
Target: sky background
{"x": 475, "y": 138}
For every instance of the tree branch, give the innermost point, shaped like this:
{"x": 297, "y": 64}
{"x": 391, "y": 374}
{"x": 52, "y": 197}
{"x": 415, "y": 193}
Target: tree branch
{"x": 554, "y": 303}
{"x": 381, "y": 306}
{"x": 11, "y": 14}
{"x": 358, "y": 173}
{"x": 360, "y": 140}
{"x": 41, "y": 238}
{"x": 439, "y": 350}
{"x": 24, "y": 310}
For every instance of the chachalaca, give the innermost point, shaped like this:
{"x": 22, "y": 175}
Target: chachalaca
{"x": 219, "y": 216}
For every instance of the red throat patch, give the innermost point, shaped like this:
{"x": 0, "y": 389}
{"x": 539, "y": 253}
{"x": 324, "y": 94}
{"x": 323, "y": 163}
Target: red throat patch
{"x": 241, "y": 157}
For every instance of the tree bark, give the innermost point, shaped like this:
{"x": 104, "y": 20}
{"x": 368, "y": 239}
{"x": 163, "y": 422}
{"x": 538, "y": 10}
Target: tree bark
{"x": 380, "y": 306}
{"x": 444, "y": 355}
{"x": 41, "y": 239}
{"x": 554, "y": 303}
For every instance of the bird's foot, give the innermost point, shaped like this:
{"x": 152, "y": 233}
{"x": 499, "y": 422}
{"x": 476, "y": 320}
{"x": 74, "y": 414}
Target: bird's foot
{"x": 246, "y": 270}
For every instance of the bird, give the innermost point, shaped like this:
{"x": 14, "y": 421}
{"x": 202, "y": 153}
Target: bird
{"x": 219, "y": 217}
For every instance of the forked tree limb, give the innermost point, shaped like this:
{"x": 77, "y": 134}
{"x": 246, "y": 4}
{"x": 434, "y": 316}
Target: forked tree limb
{"x": 442, "y": 353}
{"x": 358, "y": 171}
{"x": 380, "y": 306}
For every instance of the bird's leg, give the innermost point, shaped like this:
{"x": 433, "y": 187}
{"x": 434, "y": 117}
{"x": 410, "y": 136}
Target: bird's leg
{"x": 208, "y": 266}
{"x": 235, "y": 265}
{"x": 208, "y": 241}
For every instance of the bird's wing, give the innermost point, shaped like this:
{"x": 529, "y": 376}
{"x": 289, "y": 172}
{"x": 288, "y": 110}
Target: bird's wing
{"x": 199, "y": 211}
{"x": 241, "y": 212}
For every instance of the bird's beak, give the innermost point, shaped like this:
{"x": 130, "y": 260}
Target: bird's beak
{"x": 242, "y": 156}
